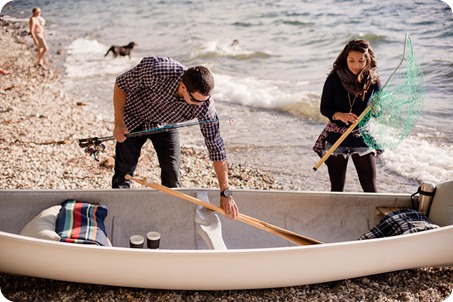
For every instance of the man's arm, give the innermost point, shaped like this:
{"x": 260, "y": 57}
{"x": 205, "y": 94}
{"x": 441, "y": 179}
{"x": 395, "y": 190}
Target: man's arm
{"x": 226, "y": 203}
{"x": 119, "y": 102}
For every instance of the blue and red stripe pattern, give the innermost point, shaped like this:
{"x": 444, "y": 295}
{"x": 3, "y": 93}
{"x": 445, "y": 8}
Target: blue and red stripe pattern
{"x": 82, "y": 222}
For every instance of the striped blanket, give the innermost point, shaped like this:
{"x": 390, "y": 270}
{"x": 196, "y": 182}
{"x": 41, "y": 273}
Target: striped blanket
{"x": 400, "y": 222}
{"x": 82, "y": 222}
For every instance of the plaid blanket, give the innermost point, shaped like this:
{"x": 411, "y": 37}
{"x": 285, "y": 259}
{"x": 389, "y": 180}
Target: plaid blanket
{"x": 82, "y": 222}
{"x": 399, "y": 223}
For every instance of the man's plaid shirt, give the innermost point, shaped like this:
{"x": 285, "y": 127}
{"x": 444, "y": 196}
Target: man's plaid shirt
{"x": 152, "y": 102}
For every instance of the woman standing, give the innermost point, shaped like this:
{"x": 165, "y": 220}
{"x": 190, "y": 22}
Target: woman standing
{"x": 347, "y": 92}
{"x": 36, "y": 24}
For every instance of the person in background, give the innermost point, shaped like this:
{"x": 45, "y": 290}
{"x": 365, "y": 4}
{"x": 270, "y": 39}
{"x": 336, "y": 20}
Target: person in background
{"x": 36, "y": 24}
{"x": 160, "y": 91}
{"x": 347, "y": 91}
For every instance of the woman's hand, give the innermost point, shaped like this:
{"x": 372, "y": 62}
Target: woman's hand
{"x": 347, "y": 118}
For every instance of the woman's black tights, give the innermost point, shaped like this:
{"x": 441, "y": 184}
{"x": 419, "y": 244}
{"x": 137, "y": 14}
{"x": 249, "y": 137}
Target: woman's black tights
{"x": 365, "y": 166}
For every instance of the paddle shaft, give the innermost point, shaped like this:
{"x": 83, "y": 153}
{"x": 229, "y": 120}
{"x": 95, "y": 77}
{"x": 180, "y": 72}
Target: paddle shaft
{"x": 288, "y": 235}
{"x": 341, "y": 139}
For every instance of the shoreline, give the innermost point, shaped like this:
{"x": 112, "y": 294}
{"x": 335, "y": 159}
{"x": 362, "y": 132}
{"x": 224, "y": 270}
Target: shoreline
{"x": 40, "y": 127}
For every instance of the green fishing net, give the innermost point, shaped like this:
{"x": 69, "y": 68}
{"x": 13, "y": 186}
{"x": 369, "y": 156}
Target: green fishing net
{"x": 396, "y": 108}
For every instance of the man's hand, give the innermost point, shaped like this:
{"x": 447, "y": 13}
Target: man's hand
{"x": 119, "y": 133}
{"x": 229, "y": 206}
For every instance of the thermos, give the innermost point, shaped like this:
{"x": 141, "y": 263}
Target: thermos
{"x": 426, "y": 192}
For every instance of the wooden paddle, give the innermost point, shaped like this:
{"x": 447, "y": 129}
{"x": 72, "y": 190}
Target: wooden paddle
{"x": 341, "y": 139}
{"x": 288, "y": 235}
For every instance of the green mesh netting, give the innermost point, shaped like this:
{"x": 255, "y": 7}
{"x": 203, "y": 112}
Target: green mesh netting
{"x": 398, "y": 105}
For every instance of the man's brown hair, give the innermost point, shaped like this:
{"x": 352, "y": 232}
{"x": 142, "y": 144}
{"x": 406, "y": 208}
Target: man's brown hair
{"x": 199, "y": 79}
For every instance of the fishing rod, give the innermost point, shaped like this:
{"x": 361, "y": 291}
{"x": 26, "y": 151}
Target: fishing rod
{"x": 94, "y": 145}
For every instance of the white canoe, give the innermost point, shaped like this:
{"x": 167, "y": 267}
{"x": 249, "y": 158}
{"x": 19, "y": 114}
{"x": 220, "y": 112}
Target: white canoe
{"x": 252, "y": 259}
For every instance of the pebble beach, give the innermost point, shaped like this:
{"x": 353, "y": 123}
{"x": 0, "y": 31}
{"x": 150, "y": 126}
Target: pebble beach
{"x": 39, "y": 132}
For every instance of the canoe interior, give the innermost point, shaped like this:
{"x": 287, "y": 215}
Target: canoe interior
{"x": 325, "y": 216}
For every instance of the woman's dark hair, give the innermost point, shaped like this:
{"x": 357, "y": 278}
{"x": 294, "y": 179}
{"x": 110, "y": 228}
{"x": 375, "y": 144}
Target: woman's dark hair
{"x": 198, "y": 79}
{"x": 367, "y": 75}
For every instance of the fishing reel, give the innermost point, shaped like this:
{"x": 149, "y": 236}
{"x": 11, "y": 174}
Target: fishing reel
{"x": 93, "y": 146}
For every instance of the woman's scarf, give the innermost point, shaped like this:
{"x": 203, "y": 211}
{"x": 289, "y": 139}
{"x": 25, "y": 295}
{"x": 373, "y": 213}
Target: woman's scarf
{"x": 351, "y": 84}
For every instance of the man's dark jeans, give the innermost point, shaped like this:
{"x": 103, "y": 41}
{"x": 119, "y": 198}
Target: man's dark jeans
{"x": 168, "y": 152}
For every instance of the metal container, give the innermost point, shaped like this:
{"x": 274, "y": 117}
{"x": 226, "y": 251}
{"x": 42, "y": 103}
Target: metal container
{"x": 426, "y": 193}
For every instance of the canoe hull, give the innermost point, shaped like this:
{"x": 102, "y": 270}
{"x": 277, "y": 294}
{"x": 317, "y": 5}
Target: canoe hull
{"x": 222, "y": 270}
{"x": 232, "y": 269}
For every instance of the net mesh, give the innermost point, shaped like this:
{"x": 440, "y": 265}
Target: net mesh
{"x": 396, "y": 108}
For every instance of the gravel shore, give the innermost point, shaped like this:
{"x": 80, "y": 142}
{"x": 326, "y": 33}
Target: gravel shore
{"x": 40, "y": 128}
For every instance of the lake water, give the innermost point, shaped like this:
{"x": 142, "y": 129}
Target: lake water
{"x": 271, "y": 79}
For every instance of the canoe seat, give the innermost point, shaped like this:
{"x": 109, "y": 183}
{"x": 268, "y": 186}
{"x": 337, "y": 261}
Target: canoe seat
{"x": 208, "y": 225}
